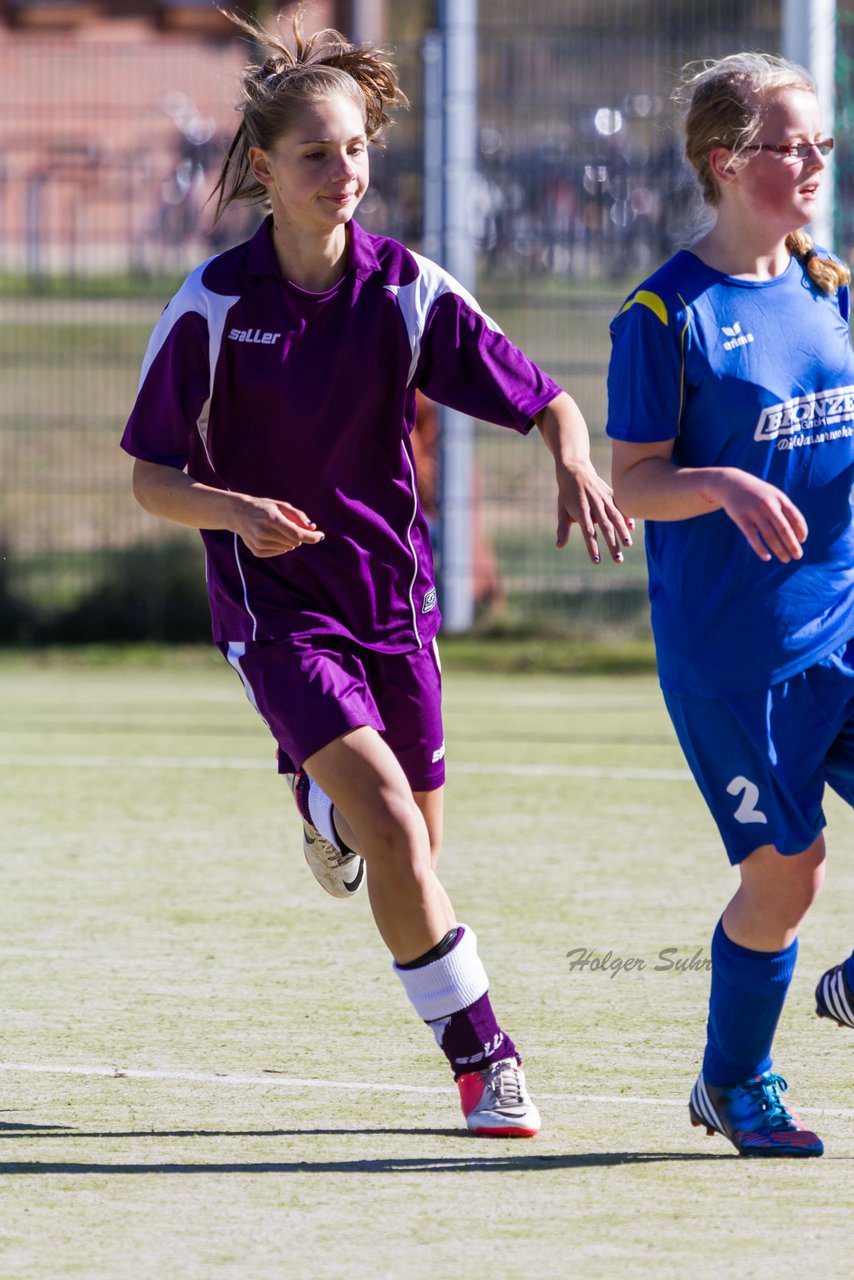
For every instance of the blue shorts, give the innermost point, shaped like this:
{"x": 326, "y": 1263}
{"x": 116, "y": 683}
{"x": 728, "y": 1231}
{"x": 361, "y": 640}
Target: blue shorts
{"x": 311, "y": 691}
{"x": 762, "y": 759}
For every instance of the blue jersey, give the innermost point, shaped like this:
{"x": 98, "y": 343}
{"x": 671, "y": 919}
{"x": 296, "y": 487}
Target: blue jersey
{"x": 757, "y": 375}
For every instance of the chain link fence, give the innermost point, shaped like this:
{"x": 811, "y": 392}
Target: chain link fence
{"x": 109, "y": 152}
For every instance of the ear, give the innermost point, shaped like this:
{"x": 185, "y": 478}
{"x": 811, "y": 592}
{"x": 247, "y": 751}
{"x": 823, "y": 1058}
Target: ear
{"x": 260, "y": 165}
{"x": 723, "y": 164}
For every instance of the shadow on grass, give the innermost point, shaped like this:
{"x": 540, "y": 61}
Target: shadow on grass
{"x": 34, "y": 1130}
{"x": 41, "y": 1131}
{"x": 448, "y": 1164}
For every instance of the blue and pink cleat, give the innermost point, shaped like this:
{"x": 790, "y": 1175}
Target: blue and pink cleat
{"x": 753, "y": 1116}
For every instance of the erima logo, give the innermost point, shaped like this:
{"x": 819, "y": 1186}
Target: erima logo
{"x": 252, "y": 335}
{"x": 805, "y": 413}
{"x": 429, "y": 601}
{"x": 736, "y": 337}
{"x": 439, "y": 754}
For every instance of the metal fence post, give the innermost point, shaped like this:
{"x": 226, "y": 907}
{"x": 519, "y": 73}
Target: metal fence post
{"x": 368, "y": 21}
{"x": 432, "y": 55}
{"x": 457, "y": 138}
{"x": 35, "y": 228}
{"x": 809, "y": 38}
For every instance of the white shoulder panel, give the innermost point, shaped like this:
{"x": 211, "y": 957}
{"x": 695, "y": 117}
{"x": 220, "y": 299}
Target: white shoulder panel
{"x": 416, "y": 300}
{"x": 192, "y": 296}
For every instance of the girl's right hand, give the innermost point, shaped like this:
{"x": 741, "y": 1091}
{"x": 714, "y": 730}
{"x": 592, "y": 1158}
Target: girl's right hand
{"x": 770, "y": 521}
{"x": 269, "y": 527}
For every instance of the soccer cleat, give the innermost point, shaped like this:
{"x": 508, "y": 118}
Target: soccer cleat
{"x": 834, "y": 998}
{"x": 496, "y": 1103}
{"x": 753, "y": 1116}
{"x": 338, "y": 872}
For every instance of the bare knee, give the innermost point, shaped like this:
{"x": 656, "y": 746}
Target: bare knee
{"x": 803, "y": 876}
{"x": 775, "y": 894}
{"x": 394, "y": 838}
{"x": 432, "y": 807}
{"x": 808, "y": 886}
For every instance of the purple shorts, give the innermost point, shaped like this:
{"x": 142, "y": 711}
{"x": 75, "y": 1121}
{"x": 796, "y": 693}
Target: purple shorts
{"x": 310, "y": 692}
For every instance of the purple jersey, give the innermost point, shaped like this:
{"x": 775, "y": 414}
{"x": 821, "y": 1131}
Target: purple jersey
{"x": 258, "y": 387}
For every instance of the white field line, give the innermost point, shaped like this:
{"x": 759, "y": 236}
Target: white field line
{"x": 273, "y": 1078}
{"x": 252, "y": 764}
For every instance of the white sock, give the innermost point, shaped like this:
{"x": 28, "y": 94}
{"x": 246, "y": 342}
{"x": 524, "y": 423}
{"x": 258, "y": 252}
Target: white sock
{"x": 320, "y": 814}
{"x": 448, "y": 985}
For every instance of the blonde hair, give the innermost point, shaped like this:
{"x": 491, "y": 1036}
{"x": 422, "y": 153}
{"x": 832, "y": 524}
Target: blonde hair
{"x": 725, "y": 102}
{"x": 313, "y": 70}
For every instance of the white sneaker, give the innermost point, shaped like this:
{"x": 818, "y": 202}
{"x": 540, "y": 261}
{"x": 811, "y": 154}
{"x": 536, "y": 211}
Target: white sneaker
{"x": 496, "y": 1103}
{"x": 339, "y": 873}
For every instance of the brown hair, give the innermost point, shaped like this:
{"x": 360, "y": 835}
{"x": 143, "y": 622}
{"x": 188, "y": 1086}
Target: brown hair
{"x": 726, "y": 101}
{"x": 312, "y": 70}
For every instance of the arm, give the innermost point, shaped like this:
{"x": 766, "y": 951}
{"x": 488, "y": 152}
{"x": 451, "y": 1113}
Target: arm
{"x": 584, "y": 498}
{"x": 267, "y": 526}
{"x": 649, "y": 483}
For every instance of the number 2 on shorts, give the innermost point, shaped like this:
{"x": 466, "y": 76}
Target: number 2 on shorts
{"x": 746, "y": 811}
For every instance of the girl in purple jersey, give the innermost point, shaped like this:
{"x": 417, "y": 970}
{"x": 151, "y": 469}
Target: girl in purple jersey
{"x": 274, "y": 412}
{"x": 732, "y": 415}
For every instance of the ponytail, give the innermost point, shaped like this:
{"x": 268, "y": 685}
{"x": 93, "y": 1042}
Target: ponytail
{"x": 825, "y": 274}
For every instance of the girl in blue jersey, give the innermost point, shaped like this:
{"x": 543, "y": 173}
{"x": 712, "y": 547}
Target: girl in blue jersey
{"x": 274, "y": 412}
{"x": 731, "y": 407}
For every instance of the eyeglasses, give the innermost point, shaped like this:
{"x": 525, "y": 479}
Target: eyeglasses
{"x": 793, "y": 150}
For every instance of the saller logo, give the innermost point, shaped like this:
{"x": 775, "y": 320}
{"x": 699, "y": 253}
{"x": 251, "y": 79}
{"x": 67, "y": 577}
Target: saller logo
{"x": 252, "y": 335}
{"x": 806, "y": 413}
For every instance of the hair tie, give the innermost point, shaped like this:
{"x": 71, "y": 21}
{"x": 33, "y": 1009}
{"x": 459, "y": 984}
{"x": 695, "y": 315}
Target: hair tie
{"x": 274, "y": 66}
{"x": 810, "y": 253}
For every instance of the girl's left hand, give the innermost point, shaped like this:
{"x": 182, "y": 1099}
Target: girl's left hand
{"x": 584, "y": 498}
{"x": 587, "y": 500}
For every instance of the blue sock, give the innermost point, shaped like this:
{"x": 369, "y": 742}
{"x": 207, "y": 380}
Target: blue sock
{"x": 748, "y": 992}
{"x": 848, "y": 968}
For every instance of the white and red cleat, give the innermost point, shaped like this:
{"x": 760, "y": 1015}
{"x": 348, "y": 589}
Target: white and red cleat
{"x": 496, "y": 1103}
{"x": 338, "y": 871}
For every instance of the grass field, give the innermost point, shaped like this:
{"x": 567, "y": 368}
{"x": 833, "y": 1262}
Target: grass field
{"x": 209, "y": 1071}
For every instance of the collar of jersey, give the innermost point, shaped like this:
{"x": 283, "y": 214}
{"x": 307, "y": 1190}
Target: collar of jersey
{"x": 262, "y": 259}
{"x": 721, "y": 276}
